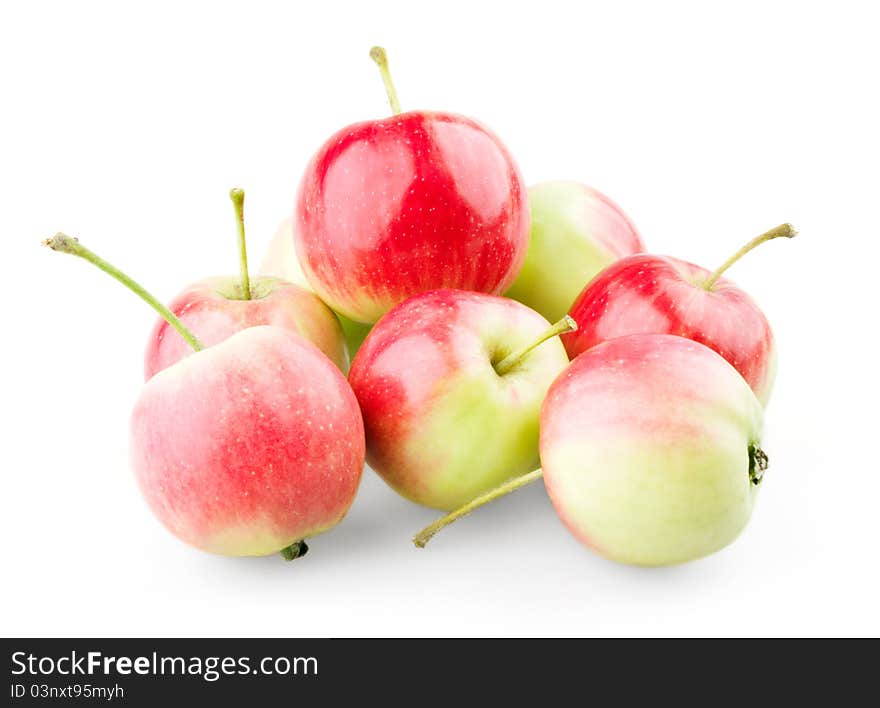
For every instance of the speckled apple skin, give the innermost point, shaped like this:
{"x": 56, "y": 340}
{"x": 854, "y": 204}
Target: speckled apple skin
{"x": 576, "y": 232}
{"x": 442, "y": 426}
{"x": 422, "y": 200}
{"x": 250, "y": 445}
{"x": 213, "y": 311}
{"x": 645, "y": 449}
{"x": 662, "y": 295}
{"x": 281, "y": 261}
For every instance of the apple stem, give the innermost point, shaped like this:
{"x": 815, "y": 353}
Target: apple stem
{"x": 66, "y": 244}
{"x": 783, "y": 230}
{"x": 378, "y": 55}
{"x": 237, "y": 197}
{"x": 566, "y": 324}
{"x": 511, "y": 485}
{"x": 294, "y": 551}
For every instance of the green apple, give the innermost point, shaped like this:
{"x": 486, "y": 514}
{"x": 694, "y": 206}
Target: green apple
{"x": 576, "y": 232}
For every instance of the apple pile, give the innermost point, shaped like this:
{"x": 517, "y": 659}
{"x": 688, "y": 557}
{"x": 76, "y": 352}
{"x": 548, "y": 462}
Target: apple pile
{"x": 496, "y": 335}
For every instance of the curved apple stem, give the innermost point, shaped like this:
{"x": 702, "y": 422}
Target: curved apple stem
{"x": 237, "y": 197}
{"x": 66, "y": 244}
{"x": 566, "y": 324}
{"x": 783, "y": 230}
{"x": 294, "y": 551}
{"x": 511, "y": 485}
{"x": 378, "y": 55}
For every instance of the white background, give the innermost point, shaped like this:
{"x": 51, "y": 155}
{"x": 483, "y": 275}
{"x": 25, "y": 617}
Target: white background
{"x": 127, "y": 124}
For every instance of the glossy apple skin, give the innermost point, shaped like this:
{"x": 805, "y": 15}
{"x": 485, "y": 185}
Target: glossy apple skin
{"x": 422, "y": 200}
{"x": 442, "y": 426}
{"x": 248, "y": 446}
{"x": 213, "y": 310}
{"x": 663, "y": 295}
{"x": 646, "y": 448}
{"x": 281, "y": 261}
{"x": 576, "y": 232}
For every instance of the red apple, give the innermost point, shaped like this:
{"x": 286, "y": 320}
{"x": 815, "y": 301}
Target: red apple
{"x": 216, "y": 308}
{"x": 249, "y": 446}
{"x": 450, "y": 384}
{"x": 422, "y": 200}
{"x": 663, "y": 295}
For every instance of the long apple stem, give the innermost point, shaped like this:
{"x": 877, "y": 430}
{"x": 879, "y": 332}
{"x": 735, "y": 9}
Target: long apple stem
{"x": 378, "y": 55}
{"x": 67, "y": 244}
{"x": 426, "y": 534}
{"x": 237, "y": 197}
{"x": 566, "y": 324}
{"x": 294, "y": 551}
{"x": 783, "y": 230}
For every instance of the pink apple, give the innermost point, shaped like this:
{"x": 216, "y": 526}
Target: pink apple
{"x": 422, "y": 200}
{"x": 249, "y": 446}
{"x": 245, "y": 447}
{"x": 659, "y": 294}
{"x": 450, "y": 384}
{"x": 216, "y": 308}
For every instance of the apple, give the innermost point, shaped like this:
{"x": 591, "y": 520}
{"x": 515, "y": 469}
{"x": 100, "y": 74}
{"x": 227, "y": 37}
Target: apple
{"x": 450, "y": 384}
{"x": 247, "y": 447}
{"x": 250, "y": 446}
{"x": 422, "y": 200}
{"x": 659, "y": 294}
{"x": 215, "y": 308}
{"x": 650, "y": 446}
{"x": 576, "y": 232}
{"x": 281, "y": 261}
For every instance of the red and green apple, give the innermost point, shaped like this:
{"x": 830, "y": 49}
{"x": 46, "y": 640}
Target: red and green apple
{"x": 450, "y": 384}
{"x": 650, "y": 447}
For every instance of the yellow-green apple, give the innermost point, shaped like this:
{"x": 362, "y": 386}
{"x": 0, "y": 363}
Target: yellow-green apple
{"x": 422, "y": 200}
{"x": 450, "y": 384}
{"x": 650, "y": 446}
{"x": 659, "y": 294}
{"x": 576, "y": 232}
{"x": 281, "y": 261}
{"x": 215, "y": 308}
{"x": 246, "y": 447}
